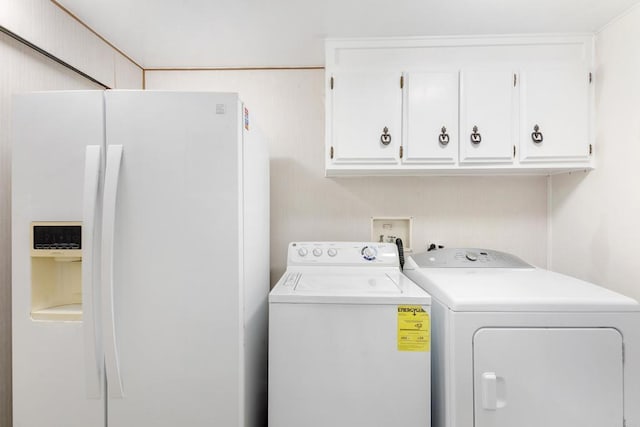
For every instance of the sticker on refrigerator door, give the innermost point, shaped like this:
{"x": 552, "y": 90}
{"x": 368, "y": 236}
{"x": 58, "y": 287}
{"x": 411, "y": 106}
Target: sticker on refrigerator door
{"x": 414, "y": 328}
{"x": 246, "y": 119}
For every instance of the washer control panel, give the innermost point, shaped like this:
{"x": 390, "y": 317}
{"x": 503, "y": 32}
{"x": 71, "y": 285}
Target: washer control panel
{"x": 343, "y": 253}
{"x": 468, "y": 258}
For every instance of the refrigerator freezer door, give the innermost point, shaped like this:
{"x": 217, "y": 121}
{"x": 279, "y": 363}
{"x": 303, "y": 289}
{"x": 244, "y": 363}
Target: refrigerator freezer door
{"x": 51, "y": 133}
{"x": 176, "y": 260}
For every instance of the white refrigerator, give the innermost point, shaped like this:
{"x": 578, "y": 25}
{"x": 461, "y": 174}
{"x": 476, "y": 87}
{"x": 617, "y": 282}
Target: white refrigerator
{"x": 140, "y": 261}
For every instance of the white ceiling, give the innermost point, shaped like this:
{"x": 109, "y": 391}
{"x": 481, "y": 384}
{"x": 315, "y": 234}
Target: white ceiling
{"x": 246, "y": 33}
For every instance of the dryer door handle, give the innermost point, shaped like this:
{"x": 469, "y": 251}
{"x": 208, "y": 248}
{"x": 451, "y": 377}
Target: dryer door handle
{"x": 489, "y": 391}
{"x": 494, "y": 391}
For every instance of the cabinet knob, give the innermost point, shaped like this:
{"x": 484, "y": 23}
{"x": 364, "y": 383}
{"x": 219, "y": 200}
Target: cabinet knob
{"x": 476, "y": 138}
{"x": 444, "y": 136}
{"x": 385, "y": 138}
{"x": 536, "y": 135}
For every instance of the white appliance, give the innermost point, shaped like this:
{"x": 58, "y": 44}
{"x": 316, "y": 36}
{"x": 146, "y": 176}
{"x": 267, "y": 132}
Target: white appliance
{"x": 349, "y": 339}
{"x": 140, "y": 260}
{"x": 515, "y": 345}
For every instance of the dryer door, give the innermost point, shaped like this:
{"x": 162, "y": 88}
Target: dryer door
{"x": 552, "y": 377}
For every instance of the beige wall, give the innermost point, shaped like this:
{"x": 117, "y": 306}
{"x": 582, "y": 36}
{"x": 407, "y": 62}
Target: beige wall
{"x": 595, "y": 217}
{"x": 507, "y": 213}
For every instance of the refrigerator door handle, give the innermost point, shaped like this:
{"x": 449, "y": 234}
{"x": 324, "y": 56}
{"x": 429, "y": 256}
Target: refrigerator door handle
{"x": 94, "y": 367}
{"x": 111, "y": 177}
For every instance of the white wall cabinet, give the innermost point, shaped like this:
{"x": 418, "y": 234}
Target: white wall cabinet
{"x": 463, "y": 106}
{"x": 554, "y": 115}
{"x": 366, "y": 118}
{"x": 487, "y": 116}
{"x": 430, "y": 125}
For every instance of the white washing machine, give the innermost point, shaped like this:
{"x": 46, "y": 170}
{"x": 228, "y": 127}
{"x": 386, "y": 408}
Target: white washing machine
{"x": 349, "y": 340}
{"x": 518, "y": 346}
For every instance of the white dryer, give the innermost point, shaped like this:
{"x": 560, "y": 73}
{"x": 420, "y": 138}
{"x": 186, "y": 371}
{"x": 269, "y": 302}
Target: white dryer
{"x": 349, "y": 340}
{"x": 519, "y": 346}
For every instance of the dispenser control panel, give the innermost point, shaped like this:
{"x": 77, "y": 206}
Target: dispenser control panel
{"x": 57, "y": 237}
{"x": 61, "y": 238}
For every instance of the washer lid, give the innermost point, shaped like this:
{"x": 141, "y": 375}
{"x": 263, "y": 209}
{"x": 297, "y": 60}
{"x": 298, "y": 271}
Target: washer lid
{"x": 515, "y": 289}
{"x": 342, "y": 284}
{"x": 346, "y": 286}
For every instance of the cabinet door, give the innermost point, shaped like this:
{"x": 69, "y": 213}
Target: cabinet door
{"x": 554, "y": 115}
{"x": 487, "y": 121}
{"x": 366, "y": 109}
{"x": 557, "y": 377}
{"x": 431, "y": 117}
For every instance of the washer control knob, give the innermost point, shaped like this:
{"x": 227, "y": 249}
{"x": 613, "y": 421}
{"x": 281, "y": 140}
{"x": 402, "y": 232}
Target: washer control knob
{"x": 471, "y": 256}
{"x": 369, "y": 253}
{"x": 332, "y": 252}
{"x": 302, "y": 252}
{"x": 317, "y": 251}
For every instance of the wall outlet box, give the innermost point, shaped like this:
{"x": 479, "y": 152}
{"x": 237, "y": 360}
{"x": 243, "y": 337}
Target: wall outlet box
{"x": 387, "y": 229}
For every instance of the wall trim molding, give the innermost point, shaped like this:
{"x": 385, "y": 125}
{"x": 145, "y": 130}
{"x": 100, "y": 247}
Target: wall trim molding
{"x": 312, "y": 67}
{"x": 50, "y": 56}
{"x": 95, "y": 33}
{"x": 145, "y": 69}
{"x": 183, "y": 69}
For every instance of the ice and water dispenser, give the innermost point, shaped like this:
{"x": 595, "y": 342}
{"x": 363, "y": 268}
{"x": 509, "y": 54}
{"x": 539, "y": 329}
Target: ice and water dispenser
{"x": 56, "y": 271}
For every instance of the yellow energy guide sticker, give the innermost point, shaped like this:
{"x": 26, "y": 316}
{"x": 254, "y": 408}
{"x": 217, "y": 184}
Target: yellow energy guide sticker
{"x": 414, "y": 328}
